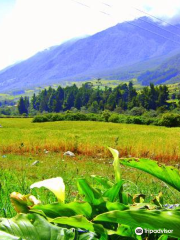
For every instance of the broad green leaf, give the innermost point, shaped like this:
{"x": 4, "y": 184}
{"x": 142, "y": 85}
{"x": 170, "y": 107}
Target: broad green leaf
{"x": 167, "y": 174}
{"x": 116, "y": 164}
{"x": 103, "y": 181}
{"x": 7, "y": 236}
{"x": 114, "y": 192}
{"x": 91, "y": 195}
{"x": 147, "y": 219}
{"x": 81, "y": 222}
{"x": 33, "y": 227}
{"x": 163, "y": 237}
{"x": 55, "y": 185}
{"x": 126, "y": 198}
{"x": 65, "y": 210}
{"x": 124, "y": 231}
{"x": 116, "y": 206}
{"x": 88, "y": 236}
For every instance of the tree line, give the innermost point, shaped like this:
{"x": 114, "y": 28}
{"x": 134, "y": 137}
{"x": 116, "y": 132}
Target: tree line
{"x": 123, "y": 97}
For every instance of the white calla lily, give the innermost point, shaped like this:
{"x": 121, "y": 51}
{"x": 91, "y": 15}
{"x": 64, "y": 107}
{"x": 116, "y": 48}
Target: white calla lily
{"x": 55, "y": 185}
{"x": 116, "y": 164}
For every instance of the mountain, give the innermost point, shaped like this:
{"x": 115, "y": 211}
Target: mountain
{"x": 124, "y": 50}
{"x": 168, "y": 71}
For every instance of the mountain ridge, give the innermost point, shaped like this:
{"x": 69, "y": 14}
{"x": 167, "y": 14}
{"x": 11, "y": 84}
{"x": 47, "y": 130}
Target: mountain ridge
{"x": 118, "y": 47}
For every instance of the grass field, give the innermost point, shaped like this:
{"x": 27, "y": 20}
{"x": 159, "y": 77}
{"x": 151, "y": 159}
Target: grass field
{"x": 23, "y": 142}
{"x": 20, "y": 136}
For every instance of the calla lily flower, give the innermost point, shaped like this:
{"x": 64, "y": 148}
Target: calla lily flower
{"x": 23, "y": 203}
{"x": 116, "y": 164}
{"x": 55, "y": 185}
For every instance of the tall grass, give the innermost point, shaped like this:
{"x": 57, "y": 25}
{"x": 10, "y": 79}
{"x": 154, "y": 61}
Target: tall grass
{"x": 17, "y": 174}
{"x": 20, "y": 136}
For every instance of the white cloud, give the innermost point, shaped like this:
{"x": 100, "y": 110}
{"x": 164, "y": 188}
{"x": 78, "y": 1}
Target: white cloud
{"x": 37, "y": 24}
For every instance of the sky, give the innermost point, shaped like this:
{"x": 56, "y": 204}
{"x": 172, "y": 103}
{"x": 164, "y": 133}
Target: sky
{"x": 30, "y": 26}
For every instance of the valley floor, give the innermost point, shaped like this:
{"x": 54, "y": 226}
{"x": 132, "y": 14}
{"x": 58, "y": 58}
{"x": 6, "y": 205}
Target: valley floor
{"x": 22, "y": 143}
{"x": 21, "y": 136}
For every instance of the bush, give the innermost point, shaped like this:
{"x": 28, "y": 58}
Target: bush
{"x": 94, "y": 117}
{"x": 75, "y": 117}
{"x": 170, "y": 120}
{"x": 40, "y": 118}
{"x": 105, "y": 115}
{"x": 58, "y": 117}
{"x": 137, "y": 111}
{"x": 137, "y": 120}
{"x": 150, "y": 114}
{"x": 114, "y": 118}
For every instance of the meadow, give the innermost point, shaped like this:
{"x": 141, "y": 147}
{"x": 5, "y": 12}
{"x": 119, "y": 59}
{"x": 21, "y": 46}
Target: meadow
{"x": 23, "y": 142}
{"x": 21, "y": 136}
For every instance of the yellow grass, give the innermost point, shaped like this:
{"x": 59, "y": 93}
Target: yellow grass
{"x": 19, "y": 136}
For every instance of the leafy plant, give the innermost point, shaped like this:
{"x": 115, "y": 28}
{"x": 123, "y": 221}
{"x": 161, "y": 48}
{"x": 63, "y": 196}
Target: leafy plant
{"x": 103, "y": 211}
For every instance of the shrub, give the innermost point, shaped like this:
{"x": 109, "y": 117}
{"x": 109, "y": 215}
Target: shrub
{"x": 170, "y": 120}
{"x": 137, "y": 120}
{"x": 40, "y": 118}
{"x": 58, "y": 117}
{"x": 137, "y": 111}
{"x": 105, "y": 115}
{"x": 75, "y": 117}
{"x": 114, "y": 118}
{"x": 94, "y": 117}
{"x": 150, "y": 114}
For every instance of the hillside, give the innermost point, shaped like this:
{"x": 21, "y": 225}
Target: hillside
{"x": 167, "y": 72}
{"x": 121, "y": 51}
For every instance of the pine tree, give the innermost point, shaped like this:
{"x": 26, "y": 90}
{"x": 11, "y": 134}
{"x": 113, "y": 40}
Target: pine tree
{"x": 22, "y": 106}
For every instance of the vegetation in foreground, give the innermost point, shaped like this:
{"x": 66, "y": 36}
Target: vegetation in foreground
{"x": 104, "y": 211}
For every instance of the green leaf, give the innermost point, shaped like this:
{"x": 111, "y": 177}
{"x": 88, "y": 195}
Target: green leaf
{"x": 126, "y": 198}
{"x": 163, "y": 237}
{"x": 116, "y": 164}
{"x": 167, "y": 174}
{"x": 147, "y": 219}
{"x": 32, "y": 227}
{"x": 7, "y": 236}
{"x": 116, "y": 206}
{"x": 91, "y": 195}
{"x": 114, "y": 191}
{"x": 88, "y": 236}
{"x": 124, "y": 231}
{"x": 103, "y": 181}
{"x": 65, "y": 210}
{"x": 81, "y": 222}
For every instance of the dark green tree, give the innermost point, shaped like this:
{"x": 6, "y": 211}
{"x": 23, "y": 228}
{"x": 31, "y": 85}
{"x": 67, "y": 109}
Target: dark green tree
{"x": 22, "y": 106}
